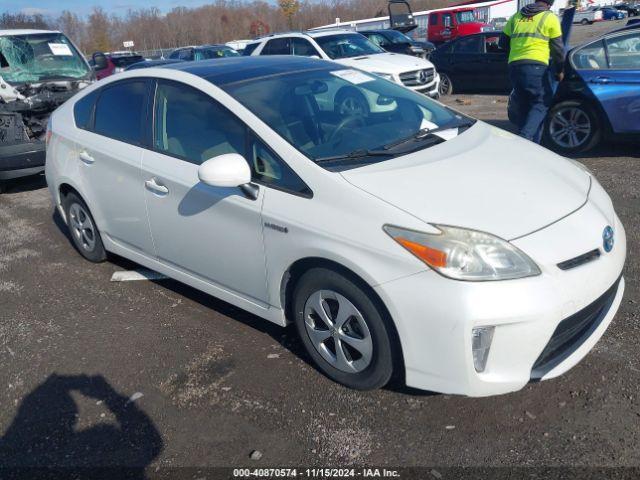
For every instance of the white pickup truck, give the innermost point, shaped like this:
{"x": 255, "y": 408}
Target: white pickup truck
{"x": 587, "y": 17}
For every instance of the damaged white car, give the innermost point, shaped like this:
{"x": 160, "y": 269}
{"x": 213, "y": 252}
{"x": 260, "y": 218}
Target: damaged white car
{"x": 39, "y": 70}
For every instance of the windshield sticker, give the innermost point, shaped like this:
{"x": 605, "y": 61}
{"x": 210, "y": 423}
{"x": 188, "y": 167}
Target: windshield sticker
{"x": 61, "y": 49}
{"x": 353, "y": 76}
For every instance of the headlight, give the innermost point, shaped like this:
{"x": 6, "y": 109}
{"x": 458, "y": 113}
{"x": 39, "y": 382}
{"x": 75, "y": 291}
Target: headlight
{"x": 386, "y": 76}
{"x": 464, "y": 254}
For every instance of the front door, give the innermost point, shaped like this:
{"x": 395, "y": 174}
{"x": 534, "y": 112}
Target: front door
{"x": 214, "y": 234}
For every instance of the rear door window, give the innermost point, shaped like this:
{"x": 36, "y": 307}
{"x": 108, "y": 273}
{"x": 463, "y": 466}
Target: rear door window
{"x": 120, "y": 111}
{"x": 303, "y": 48}
{"x": 277, "y": 46}
{"x": 468, "y": 45}
{"x": 624, "y": 52}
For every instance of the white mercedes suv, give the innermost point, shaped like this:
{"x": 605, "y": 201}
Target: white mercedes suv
{"x": 409, "y": 241}
{"x": 353, "y": 49}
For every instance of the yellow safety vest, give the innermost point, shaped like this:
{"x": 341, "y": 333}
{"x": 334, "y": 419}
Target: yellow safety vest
{"x": 530, "y": 36}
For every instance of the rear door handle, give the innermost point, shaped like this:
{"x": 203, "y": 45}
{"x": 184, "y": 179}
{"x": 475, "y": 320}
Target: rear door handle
{"x": 155, "y": 187}
{"x": 86, "y": 158}
{"x": 601, "y": 80}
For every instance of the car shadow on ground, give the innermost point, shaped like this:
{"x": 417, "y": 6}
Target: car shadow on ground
{"x": 50, "y": 432}
{"x": 26, "y": 184}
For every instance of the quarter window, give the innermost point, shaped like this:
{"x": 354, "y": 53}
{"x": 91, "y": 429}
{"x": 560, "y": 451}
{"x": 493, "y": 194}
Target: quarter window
{"x": 269, "y": 170}
{"x": 120, "y": 111}
{"x": 83, "y": 110}
{"x": 192, "y": 126}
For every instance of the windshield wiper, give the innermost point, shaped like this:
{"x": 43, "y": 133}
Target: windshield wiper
{"x": 361, "y": 153}
{"x": 421, "y": 134}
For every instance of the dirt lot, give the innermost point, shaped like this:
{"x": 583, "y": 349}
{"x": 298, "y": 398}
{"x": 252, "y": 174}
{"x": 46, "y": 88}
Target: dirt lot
{"x": 155, "y": 374}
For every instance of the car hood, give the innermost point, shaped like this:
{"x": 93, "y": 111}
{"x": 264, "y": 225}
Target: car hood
{"x": 393, "y": 63}
{"x": 484, "y": 179}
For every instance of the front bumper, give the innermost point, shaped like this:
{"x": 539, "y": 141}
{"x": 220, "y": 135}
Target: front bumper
{"x": 435, "y": 316}
{"x": 21, "y": 160}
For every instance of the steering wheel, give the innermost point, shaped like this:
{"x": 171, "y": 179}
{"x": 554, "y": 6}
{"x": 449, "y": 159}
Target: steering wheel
{"x": 345, "y": 122}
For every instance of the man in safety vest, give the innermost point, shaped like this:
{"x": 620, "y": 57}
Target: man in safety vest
{"x": 533, "y": 35}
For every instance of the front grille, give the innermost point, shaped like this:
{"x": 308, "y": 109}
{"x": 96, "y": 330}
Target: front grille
{"x": 579, "y": 260}
{"x": 573, "y": 331}
{"x": 417, "y": 78}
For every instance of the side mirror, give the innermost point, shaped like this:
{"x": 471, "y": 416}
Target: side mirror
{"x": 229, "y": 170}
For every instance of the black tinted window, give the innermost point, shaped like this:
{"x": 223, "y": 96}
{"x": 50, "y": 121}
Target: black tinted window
{"x": 303, "y": 47}
{"x": 248, "y": 50}
{"x": 83, "y": 110}
{"x": 120, "y": 110}
{"x": 192, "y": 126}
{"x": 277, "y": 46}
{"x": 269, "y": 169}
{"x": 468, "y": 45}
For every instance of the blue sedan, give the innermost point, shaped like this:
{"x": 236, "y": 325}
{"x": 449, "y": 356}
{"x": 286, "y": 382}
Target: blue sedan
{"x": 600, "y": 95}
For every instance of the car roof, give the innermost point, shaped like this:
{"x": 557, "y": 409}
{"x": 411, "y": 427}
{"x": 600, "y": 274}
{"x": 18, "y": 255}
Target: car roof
{"x": 228, "y": 70}
{"x": 24, "y": 31}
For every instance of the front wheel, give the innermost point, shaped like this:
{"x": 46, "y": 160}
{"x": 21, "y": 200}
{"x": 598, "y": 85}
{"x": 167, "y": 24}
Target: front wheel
{"x": 584, "y": 21}
{"x": 343, "y": 330}
{"x": 446, "y": 85}
{"x": 572, "y": 127}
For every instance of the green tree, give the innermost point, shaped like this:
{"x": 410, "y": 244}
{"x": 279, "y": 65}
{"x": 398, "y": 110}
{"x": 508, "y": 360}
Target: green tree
{"x": 289, "y": 9}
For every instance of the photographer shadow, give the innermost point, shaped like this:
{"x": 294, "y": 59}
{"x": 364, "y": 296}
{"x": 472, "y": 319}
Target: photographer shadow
{"x": 45, "y": 434}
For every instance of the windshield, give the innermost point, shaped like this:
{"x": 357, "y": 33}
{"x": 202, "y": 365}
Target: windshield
{"x": 210, "y": 53}
{"x": 466, "y": 17}
{"x": 40, "y": 57}
{"x": 347, "y": 45}
{"x": 396, "y": 37}
{"x": 328, "y": 113}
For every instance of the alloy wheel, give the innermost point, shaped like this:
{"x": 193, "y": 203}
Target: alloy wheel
{"x": 570, "y": 127}
{"x": 82, "y": 227}
{"x": 338, "y": 331}
{"x": 351, "y": 105}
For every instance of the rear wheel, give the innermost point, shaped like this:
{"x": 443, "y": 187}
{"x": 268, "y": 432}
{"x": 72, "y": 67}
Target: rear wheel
{"x": 446, "y": 85}
{"x": 343, "y": 330}
{"x": 584, "y": 21}
{"x": 572, "y": 127}
{"x": 84, "y": 232}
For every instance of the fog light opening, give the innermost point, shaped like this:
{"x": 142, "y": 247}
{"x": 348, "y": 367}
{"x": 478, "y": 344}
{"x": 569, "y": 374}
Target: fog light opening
{"x": 481, "y": 344}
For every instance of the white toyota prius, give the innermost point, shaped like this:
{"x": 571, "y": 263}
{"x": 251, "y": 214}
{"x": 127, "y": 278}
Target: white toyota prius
{"x": 408, "y": 240}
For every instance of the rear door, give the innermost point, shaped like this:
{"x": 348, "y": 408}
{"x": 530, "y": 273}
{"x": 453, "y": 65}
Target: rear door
{"x": 109, "y": 154}
{"x": 467, "y": 62}
{"x": 211, "y": 233}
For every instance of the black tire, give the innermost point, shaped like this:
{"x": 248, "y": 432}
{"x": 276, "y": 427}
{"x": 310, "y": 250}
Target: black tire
{"x": 347, "y": 94}
{"x": 378, "y": 371}
{"x": 87, "y": 240}
{"x": 553, "y": 137}
{"x": 584, "y": 21}
{"x": 446, "y": 85}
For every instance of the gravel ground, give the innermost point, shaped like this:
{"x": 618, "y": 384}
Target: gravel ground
{"x": 156, "y": 374}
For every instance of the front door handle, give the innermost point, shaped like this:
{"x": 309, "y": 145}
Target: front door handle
{"x": 601, "y": 80}
{"x": 86, "y": 158}
{"x": 155, "y": 187}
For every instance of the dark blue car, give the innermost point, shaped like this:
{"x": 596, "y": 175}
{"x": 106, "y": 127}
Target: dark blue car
{"x": 600, "y": 95}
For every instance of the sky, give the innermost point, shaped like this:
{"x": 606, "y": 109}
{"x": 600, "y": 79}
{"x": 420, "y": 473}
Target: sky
{"x": 83, "y": 7}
